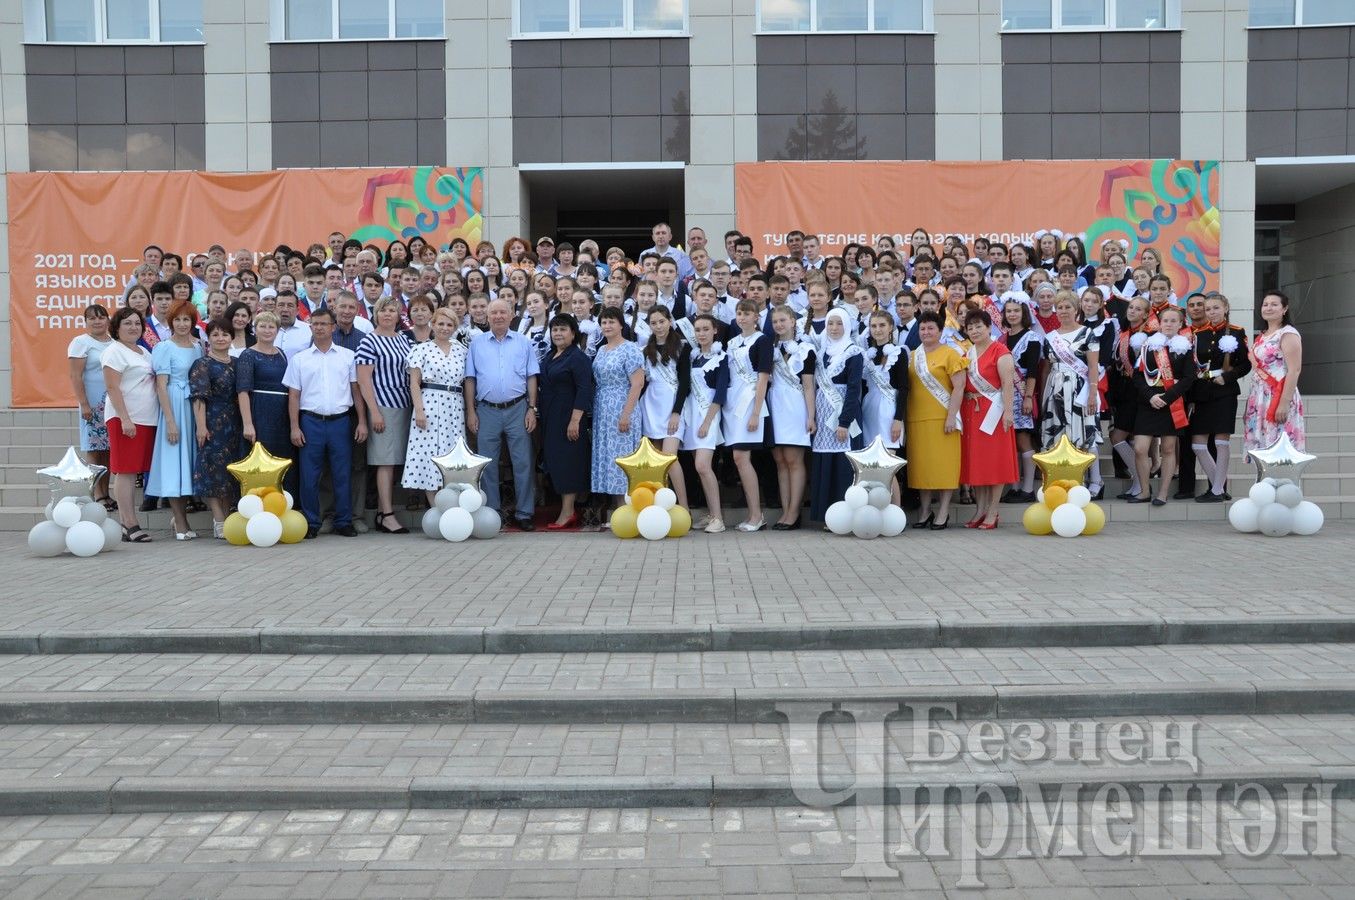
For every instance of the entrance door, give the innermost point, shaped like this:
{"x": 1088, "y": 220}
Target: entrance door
{"x": 615, "y": 207}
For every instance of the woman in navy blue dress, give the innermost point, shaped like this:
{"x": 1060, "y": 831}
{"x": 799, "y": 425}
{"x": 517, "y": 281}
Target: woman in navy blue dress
{"x": 262, "y": 396}
{"x": 566, "y": 404}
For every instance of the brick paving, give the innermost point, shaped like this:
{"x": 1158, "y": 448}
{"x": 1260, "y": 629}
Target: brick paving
{"x": 1199, "y": 569}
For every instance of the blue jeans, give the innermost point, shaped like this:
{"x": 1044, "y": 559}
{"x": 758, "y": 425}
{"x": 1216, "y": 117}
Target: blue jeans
{"x": 496, "y": 426}
{"x": 326, "y": 441}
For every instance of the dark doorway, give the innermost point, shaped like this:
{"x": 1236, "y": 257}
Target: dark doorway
{"x": 615, "y": 207}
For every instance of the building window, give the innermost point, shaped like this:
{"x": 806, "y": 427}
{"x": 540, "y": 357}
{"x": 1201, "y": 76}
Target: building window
{"x": 599, "y": 18}
{"x": 779, "y": 16}
{"x": 358, "y": 20}
{"x": 113, "y": 21}
{"x": 1302, "y": 12}
{"x": 1089, "y": 15}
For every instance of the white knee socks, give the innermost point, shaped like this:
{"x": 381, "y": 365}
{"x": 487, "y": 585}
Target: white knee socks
{"x": 1206, "y": 461}
{"x": 1028, "y": 471}
{"x": 1220, "y": 477}
{"x": 1126, "y": 453}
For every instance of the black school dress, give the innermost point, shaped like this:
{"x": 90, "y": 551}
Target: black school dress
{"x": 1149, "y": 420}
{"x": 1215, "y": 409}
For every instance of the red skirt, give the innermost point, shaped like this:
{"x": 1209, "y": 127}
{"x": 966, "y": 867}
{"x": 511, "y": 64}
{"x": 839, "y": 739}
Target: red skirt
{"x": 130, "y": 455}
{"x": 985, "y": 458}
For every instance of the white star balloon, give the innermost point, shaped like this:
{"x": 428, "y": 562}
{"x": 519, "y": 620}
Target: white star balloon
{"x": 461, "y": 466}
{"x": 72, "y": 477}
{"x": 1281, "y": 461}
{"x": 876, "y": 464}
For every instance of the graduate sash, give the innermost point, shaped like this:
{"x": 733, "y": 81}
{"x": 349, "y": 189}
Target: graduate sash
{"x": 789, "y": 361}
{"x": 833, "y": 393}
{"x": 985, "y": 388}
{"x": 879, "y": 374}
{"x": 931, "y": 384}
{"x": 1165, "y": 378}
{"x": 702, "y": 394}
{"x": 741, "y": 367}
{"x": 1064, "y": 353}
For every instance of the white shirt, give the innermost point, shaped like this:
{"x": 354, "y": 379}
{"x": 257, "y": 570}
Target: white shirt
{"x": 162, "y": 329}
{"x": 138, "y": 383}
{"x": 325, "y": 380}
{"x": 294, "y": 339}
{"x": 798, "y": 300}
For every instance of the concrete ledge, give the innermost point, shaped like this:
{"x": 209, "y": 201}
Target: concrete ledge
{"x": 1309, "y": 697}
{"x": 52, "y": 796}
{"x": 20, "y": 644}
{"x": 134, "y": 795}
{"x": 587, "y": 639}
{"x": 1081, "y": 632}
{"x": 371, "y": 640}
{"x": 224, "y": 640}
{"x": 106, "y": 706}
{"x": 1126, "y": 700}
{"x": 548, "y": 793}
{"x": 605, "y": 706}
{"x": 760, "y": 704}
{"x": 1260, "y": 630}
{"x": 255, "y": 707}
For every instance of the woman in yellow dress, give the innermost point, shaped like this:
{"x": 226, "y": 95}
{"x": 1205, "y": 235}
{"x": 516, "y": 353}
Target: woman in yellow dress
{"x": 936, "y": 382}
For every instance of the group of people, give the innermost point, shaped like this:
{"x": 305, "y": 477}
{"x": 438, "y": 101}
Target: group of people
{"x": 364, "y": 363}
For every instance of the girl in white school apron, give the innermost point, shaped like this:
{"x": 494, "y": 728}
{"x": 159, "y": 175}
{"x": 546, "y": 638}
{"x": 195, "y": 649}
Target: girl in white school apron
{"x": 745, "y": 415}
{"x": 708, "y": 379}
{"x": 667, "y": 384}
{"x": 791, "y": 399}
{"x": 837, "y": 403}
{"x": 885, "y": 374}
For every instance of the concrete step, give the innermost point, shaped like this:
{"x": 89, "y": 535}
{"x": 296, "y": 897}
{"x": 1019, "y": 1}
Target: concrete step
{"x": 714, "y": 686}
{"x": 195, "y": 767}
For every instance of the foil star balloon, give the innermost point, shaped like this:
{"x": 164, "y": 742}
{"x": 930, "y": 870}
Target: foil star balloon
{"x": 875, "y": 465}
{"x": 1064, "y": 462}
{"x": 72, "y": 477}
{"x": 260, "y": 469}
{"x": 1281, "y": 461}
{"x": 647, "y": 463}
{"x": 461, "y": 466}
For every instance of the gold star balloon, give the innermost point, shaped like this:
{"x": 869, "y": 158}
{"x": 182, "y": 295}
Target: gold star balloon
{"x": 1064, "y": 462}
{"x": 461, "y": 466}
{"x": 647, "y": 463}
{"x": 1281, "y": 461}
{"x": 260, "y": 469}
{"x": 876, "y": 464}
{"x": 72, "y": 477}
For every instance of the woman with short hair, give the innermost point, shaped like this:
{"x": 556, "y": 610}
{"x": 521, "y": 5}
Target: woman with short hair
{"x": 381, "y": 361}
{"x": 131, "y": 412}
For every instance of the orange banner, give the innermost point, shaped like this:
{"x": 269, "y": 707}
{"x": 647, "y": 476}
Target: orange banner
{"x": 75, "y": 238}
{"x": 1167, "y": 204}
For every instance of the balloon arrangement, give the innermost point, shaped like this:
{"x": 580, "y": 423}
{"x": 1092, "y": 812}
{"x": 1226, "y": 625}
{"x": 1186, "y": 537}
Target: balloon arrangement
{"x": 865, "y": 510}
{"x": 1275, "y": 506}
{"x": 72, "y": 521}
{"x": 651, "y": 510}
{"x": 1064, "y": 506}
{"x": 459, "y": 510}
{"x": 264, "y": 516}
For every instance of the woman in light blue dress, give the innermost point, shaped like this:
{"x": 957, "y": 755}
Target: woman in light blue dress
{"x": 172, "y": 462}
{"x": 85, "y": 354}
{"x": 619, "y": 376}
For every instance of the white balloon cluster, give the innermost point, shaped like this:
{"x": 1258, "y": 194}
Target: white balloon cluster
{"x": 866, "y": 512}
{"x": 1275, "y": 507}
{"x": 458, "y": 513}
{"x": 77, "y": 524}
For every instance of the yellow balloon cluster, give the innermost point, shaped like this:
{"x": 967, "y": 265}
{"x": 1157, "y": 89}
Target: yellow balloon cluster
{"x": 647, "y": 516}
{"x": 1065, "y": 507}
{"x": 274, "y": 501}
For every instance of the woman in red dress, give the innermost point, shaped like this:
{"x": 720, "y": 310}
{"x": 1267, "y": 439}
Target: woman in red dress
{"x": 987, "y": 434}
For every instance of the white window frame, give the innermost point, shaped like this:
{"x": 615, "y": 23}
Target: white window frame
{"x": 928, "y": 22}
{"x": 277, "y": 27}
{"x": 1299, "y": 23}
{"x": 626, "y": 30}
{"x": 1171, "y": 9}
{"x": 35, "y": 27}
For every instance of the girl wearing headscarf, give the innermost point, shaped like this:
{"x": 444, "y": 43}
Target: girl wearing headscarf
{"x": 837, "y": 407}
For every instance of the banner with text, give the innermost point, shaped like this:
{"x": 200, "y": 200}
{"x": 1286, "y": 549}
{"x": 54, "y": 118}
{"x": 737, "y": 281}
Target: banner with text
{"x": 75, "y": 237}
{"x": 1171, "y": 205}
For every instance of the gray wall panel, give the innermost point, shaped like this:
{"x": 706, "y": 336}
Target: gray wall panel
{"x": 115, "y": 107}
{"x": 1300, "y": 91}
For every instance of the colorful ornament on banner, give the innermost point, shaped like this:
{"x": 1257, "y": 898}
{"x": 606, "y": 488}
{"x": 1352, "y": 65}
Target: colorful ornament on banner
{"x": 865, "y": 510}
{"x": 72, "y": 522}
{"x": 1063, "y": 505}
{"x": 265, "y": 515}
{"x": 651, "y": 510}
{"x": 1275, "y": 506}
{"x": 458, "y": 511}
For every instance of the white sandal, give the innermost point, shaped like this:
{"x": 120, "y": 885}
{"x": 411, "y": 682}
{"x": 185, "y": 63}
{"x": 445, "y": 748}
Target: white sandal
{"x": 186, "y": 535}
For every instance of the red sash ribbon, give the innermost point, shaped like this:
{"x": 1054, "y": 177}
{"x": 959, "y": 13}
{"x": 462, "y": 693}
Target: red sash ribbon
{"x": 1177, "y": 406}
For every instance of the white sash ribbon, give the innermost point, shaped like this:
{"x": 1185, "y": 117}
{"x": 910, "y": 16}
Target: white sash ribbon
{"x": 990, "y": 393}
{"x": 879, "y": 374}
{"x": 667, "y": 372}
{"x": 741, "y": 365}
{"x": 940, "y": 393}
{"x": 833, "y": 393}
{"x": 1066, "y": 356}
{"x": 702, "y": 393}
{"x": 789, "y": 361}
{"x": 688, "y": 331}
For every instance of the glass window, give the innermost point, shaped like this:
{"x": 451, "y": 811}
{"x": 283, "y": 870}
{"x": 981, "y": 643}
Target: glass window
{"x": 70, "y": 20}
{"x": 1140, "y": 14}
{"x": 659, "y": 15}
{"x": 544, "y": 16}
{"x": 180, "y": 21}
{"x": 843, "y": 15}
{"x": 309, "y": 20}
{"x": 602, "y": 14}
{"x": 1272, "y": 12}
{"x": 1027, "y": 14}
{"x": 1328, "y": 12}
{"x": 418, "y": 18}
{"x": 898, "y": 15}
{"x": 785, "y": 15}
{"x": 1084, "y": 13}
{"x": 361, "y": 19}
{"x": 128, "y": 20}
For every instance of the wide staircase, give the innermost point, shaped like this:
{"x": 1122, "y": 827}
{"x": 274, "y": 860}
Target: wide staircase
{"x": 31, "y": 439}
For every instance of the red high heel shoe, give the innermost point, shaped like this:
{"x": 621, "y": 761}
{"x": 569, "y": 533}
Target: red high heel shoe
{"x": 987, "y": 526}
{"x": 974, "y": 522}
{"x": 571, "y": 522}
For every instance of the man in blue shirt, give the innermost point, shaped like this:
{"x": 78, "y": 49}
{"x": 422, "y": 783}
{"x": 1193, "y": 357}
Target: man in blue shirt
{"x": 500, "y": 395}
{"x": 663, "y": 246}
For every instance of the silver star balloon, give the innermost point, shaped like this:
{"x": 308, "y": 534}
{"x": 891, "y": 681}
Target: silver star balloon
{"x": 1281, "y": 461}
{"x": 72, "y": 477}
{"x": 875, "y": 465}
{"x": 461, "y": 466}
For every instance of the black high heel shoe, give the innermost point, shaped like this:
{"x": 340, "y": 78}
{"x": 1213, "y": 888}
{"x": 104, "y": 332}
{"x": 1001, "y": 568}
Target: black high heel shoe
{"x": 925, "y": 523}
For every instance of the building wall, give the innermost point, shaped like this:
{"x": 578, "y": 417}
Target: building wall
{"x": 115, "y": 108}
{"x": 1320, "y": 252}
{"x": 358, "y": 103}
{"x": 846, "y": 96}
{"x": 1301, "y": 92}
{"x": 1091, "y": 96}
{"x": 622, "y": 100}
